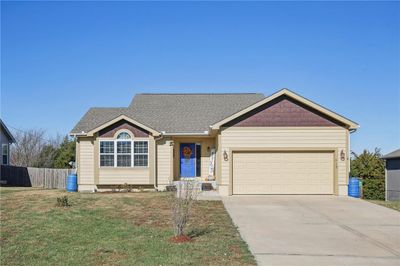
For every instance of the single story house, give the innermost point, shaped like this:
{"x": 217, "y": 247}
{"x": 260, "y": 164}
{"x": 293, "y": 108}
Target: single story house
{"x": 392, "y": 175}
{"x": 6, "y": 139}
{"x": 244, "y": 143}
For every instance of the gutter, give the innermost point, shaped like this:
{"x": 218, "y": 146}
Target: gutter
{"x": 205, "y": 133}
{"x": 82, "y": 134}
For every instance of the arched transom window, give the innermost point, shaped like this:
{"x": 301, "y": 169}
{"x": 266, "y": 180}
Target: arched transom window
{"x": 124, "y": 135}
{"x": 124, "y": 152}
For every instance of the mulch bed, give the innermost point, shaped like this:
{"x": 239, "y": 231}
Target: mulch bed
{"x": 180, "y": 239}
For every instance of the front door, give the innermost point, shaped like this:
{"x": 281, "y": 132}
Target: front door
{"x": 188, "y": 159}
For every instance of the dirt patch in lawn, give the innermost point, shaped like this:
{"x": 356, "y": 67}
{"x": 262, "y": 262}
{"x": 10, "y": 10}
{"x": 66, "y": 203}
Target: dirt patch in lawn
{"x": 180, "y": 239}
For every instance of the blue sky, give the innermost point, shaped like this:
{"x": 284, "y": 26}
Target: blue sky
{"x": 60, "y": 58}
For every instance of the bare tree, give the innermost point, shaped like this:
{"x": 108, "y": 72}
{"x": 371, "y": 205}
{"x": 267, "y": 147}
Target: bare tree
{"x": 186, "y": 194}
{"x": 32, "y": 149}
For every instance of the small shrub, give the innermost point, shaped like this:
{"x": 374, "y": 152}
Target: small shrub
{"x": 63, "y": 201}
{"x": 373, "y": 189}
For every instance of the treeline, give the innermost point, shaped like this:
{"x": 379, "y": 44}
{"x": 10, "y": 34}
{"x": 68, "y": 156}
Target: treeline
{"x": 33, "y": 149}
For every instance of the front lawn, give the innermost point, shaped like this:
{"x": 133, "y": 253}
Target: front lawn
{"x": 112, "y": 229}
{"x": 395, "y": 205}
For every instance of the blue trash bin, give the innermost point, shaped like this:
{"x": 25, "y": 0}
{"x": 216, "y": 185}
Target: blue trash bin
{"x": 354, "y": 187}
{"x": 72, "y": 183}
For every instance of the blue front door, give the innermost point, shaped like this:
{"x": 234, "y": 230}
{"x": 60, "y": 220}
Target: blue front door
{"x": 188, "y": 159}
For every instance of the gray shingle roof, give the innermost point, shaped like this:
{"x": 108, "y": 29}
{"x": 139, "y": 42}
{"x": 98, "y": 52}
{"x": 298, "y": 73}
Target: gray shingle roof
{"x": 393, "y": 154}
{"x": 173, "y": 113}
{"x": 95, "y": 117}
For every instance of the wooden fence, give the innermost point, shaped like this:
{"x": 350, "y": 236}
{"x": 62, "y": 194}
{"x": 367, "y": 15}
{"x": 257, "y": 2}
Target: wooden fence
{"x": 34, "y": 177}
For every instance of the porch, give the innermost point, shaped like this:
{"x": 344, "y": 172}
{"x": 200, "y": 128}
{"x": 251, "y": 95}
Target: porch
{"x": 194, "y": 158}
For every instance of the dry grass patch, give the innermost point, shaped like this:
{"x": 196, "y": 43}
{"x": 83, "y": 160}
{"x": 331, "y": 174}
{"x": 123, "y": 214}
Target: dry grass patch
{"x": 112, "y": 229}
{"x": 395, "y": 205}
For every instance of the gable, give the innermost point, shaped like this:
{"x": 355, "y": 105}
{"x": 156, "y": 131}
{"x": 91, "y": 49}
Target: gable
{"x": 110, "y": 131}
{"x": 5, "y": 136}
{"x": 283, "y": 112}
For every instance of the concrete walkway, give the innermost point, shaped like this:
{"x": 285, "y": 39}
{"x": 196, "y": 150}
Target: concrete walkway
{"x": 316, "y": 230}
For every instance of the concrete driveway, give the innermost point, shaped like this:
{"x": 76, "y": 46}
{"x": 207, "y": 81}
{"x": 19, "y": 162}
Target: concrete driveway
{"x": 316, "y": 230}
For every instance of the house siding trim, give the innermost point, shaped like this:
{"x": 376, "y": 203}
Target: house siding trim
{"x": 119, "y": 118}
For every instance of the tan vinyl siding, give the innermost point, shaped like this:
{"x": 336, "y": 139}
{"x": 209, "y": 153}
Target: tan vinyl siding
{"x": 86, "y": 161}
{"x": 164, "y": 162}
{"x": 218, "y": 159}
{"x": 285, "y": 137}
{"x": 114, "y": 175}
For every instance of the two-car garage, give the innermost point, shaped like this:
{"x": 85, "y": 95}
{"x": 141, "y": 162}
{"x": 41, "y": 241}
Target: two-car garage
{"x": 284, "y": 144}
{"x": 283, "y": 172}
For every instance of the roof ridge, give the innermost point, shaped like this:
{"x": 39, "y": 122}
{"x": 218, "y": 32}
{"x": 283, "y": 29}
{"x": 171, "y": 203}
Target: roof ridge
{"x": 123, "y": 107}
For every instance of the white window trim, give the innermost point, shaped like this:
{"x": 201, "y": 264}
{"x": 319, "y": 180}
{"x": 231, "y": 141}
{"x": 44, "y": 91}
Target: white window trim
{"x": 132, "y": 152}
{"x": 7, "y": 154}
{"x": 116, "y": 152}
{"x": 106, "y": 153}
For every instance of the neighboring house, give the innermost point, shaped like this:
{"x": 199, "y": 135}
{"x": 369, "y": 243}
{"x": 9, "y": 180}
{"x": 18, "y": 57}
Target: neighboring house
{"x": 280, "y": 144}
{"x": 392, "y": 175}
{"x": 6, "y": 139}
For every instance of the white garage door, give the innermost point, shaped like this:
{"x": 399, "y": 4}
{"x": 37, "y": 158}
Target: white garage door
{"x": 283, "y": 173}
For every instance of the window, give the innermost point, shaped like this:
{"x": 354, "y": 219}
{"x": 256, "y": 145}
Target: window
{"x": 106, "y": 153}
{"x": 124, "y": 152}
{"x": 198, "y": 160}
{"x": 141, "y": 151}
{"x": 124, "y": 135}
{"x": 4, "y": 152}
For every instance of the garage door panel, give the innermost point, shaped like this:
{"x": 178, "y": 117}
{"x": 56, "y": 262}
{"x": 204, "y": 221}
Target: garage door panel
{"x": 283, "y": 173}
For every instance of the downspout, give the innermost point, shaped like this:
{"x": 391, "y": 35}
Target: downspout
{"x": 155, "y": 161}
{"x": 351, "y": 131}
{"x": 349, "y": 153}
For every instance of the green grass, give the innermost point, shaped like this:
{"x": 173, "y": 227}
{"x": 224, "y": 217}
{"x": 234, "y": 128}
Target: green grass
{"x": 395, "y": 205}
{"x": 7, "y": 190}
{"x": 112, "y": 229}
